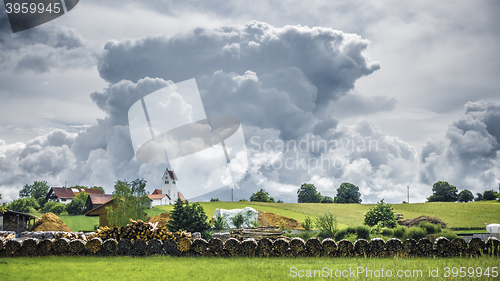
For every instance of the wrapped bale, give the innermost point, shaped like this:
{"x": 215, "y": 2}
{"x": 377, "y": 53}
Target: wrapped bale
{"x": 394, "y": 247}
{"x": 314, "y": 247}
{"x": 61, "y": 246}
{"x": 443, "y": 247}
{"x": 329, "y": 247}
{"x": 361, "y": 248}
{"x": 140, "y": 247}
{"x": 199, "y": 246}
{"x": 233, "y": 247}
{"x": 492, "y": 247}
{"x": 77, "y": 247}
{"x": 377, "y": 248}
{"x": 184, "y": 244}
{"x": 28, "y": 248}
{"x": 458, "y": 247}
{"x": 44, "y": 247}
{"x": 109, "y": 247}
{"x": 345, "y": 248}
{"x": 124, "y": 247}
{"x": 155, "y": 247}
{"x": 476, "y": 246}
{"x": 265, "y": 247}
{"x": 297, "y": 247}
{"x": 94, "y": 245}
{"x": 280, "y": 247}
{"x": 215, "y": 246}
{"x": 425, "y": 248}
{"x": 12, "y": 248}
{"x": 248, "y": 247}
{"x": 410, "y": 248}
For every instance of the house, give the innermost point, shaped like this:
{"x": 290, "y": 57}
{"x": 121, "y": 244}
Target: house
{"x": 16, "y": 221}
{"x": 96, "y": 200}
{"x": 66, "y": 194}
{"x": 102, "y": 212}
{"x": 158, "y": 198}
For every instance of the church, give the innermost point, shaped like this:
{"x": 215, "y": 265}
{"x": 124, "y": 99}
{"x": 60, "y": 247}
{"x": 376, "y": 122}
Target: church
{"x": 168, "y": 194}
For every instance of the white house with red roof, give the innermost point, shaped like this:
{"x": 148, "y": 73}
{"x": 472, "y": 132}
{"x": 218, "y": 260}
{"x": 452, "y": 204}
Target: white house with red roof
{"x": 66, "y": 194}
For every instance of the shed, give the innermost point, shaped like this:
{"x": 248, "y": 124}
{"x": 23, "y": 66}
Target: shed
{"x": 101, "y": 212}
{"x": 96, "y": 200}
{"x": 16, "y": 221}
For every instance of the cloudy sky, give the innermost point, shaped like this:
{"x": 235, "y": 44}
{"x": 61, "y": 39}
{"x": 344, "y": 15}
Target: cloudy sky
{"x": 382, "y": 94}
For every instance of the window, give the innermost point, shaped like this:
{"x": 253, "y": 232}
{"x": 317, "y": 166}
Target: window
{"x": 173, "y": 182}
{"x": 166, "y": 182}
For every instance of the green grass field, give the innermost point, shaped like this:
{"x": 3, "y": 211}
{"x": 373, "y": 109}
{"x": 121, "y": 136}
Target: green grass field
{"x": 189, "y": 268}
{"x": 473, "y": 214}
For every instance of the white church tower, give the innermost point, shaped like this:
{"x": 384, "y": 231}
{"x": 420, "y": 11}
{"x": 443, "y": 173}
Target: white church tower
{"x": 169, "y": 185}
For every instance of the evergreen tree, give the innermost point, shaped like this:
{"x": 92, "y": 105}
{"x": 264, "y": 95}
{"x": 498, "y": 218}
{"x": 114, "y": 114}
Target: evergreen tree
{"x": 189, "y": 217}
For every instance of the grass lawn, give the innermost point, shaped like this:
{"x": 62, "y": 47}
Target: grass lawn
{"x": 171, "y": 268}
{"x": 80, "y": 223}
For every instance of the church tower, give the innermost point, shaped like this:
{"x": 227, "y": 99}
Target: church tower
{"x": 169, "y": 185}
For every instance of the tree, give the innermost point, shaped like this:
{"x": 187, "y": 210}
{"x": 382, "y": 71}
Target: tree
{"x": 348, "y": 193}
{"x": 37, "y": 190}
{"x": 238, "y": 220}
{"x": 100, "y": 188}
{"x": 490, "y": 195}
{"x": 77, "y": 205}
{"x": 479, "y": 197}
{"x": 327, "y": 199}
{"x": 23, "y": 205}
{"x": 54, "y": 207}
{"x": 327, "y": 224}
{"x": 261, "y": 196}
{"x": 465, "y": 196}
{"x": 131, "y": 202}
{"x": 307, "y": 193}
{"x": 188, "y": 217}
{"x": 382, "y": 212}
{"x": 443, "y": 192}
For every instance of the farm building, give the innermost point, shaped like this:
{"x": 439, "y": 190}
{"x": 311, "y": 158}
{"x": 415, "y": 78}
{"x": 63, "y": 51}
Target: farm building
{"x": 101, "y": 212}
{"x": 16, "y": 221}
{"x": 66, "y": 194}
{"x": 96, "y": 200}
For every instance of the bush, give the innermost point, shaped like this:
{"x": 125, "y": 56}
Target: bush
{"x": 382, "y": 212}
{"x": 399, "y": 232}
{"x": 23, "y": 205}
{"x": 214, "y": 200}
{"x": 219, "y": 223}
{"x": 343, "y": 233}
{"x": 388, "y": 232}
{"x": 430, "y": 228}
{"x": 238, "y": 220}
{"x": 363, "y": 232}
{"x": 75, "y": 207}
{"x": 327, "y": 224}
{"x": 307, "y": 224}
{"x": 57, "y": 208}
{"x": 416, "y": 233}
{"x": 448, "y": 234}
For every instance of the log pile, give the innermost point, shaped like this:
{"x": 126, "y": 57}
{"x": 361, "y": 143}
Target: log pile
{"x": 425, "y": 248}
{"x": 257, "y": 233}
{"x": 248, "y": 247}
{"x": 345, "y": 248}
{"x": 281, "y": 246}
{"x": 233, "y": 247}
{"x": 476, "y": 246}
{"x": 60, "y": 247}
{"x": 329, "y": 247}
{"x": 44, "y": 247}
{"x": 361, "y": 248}
{"x": 377, "y": 248}
{"x": 443, "y": 247}
{"x": 297, "y": 247}
{"x": 265, "y": 248}
{"x": 28, "y": 248}
{"x": 109, "y": 247}
{"x": 314, "y": 247}
{"x": 139, "y": 230}
{"x": 393, "y": 247}
{"x": 77, "y": 247}
{"x": 410, "y": 248}
{"x": 492, "y": 247}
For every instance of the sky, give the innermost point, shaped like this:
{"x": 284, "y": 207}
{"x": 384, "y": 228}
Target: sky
{"x": 381, "y": 94}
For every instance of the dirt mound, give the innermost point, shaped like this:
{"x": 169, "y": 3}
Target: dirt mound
{"x": 417, "y": 221}
{"x": 272, "y": 219}
{"x": 162, "y": 219}
{"x": 51, "y": 222}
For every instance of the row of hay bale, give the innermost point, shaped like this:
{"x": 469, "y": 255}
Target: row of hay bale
{"x": 265, "y": 247}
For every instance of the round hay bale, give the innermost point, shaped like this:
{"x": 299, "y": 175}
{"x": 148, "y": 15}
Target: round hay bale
{"x": 377, "y": 248}
{"x": 314, "y": 247}
{"x": 492, "y": 247}
{"x": 28, "y": 248}
{"x": 248, "y": 247}
{"x": 410, "y": 248}
{"x": 215, "y": 245}
{"x": 443, "y": 247}
{"x": 140, "y": 247}
{"x": 280, "y": 247}
{"x": 77, "y": 247}
{"x": 94, "y": 245}
{"x": 265, "y": 247}
{"x": 297, "y": 247}
{"x": 329, "y": 247}
{"x": 124, "y": 247}
{"x": 233, "y": 247}
{"x": 476, "y": 246}
{"x": 155, "y": 247}
{"x": 393, "y": 247}
{"x": 425, "y": 248}
{"x": 199, "y": 246}
{"x": 61, "y": 246}
{"x": 109, "y": 247}
{"x": 44, "y": 247}
{"x": 361, "y": 248}
{"x": 12, "y": 248}
{"x": 345, "y": 248}
{"x": 458, "y": 247}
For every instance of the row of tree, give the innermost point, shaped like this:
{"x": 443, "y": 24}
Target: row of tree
{"x": 442, "y": 191}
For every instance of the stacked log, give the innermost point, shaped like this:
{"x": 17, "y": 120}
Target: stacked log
{"x": 199, "y": 246}
{"x": 155, "y": 247}
{"x": 377, "y": 248}
{"x": 393, "y": 247}
{"x": 265, "y": 248}
{"x": 248, "y": 247}
{"x": 314, "y": 247}
{"x": 215, "y": 247}
{"x": 184, "y": 244}
{"x": 109, "y": 247}
{"x": 425, "y": 248}
{"x": 281, "y": 247}
{"x": 94, "y": 245}
{"x": 61, "y": 246}
{"x": 345, "y": 248}
{"x": 329, "y": 247}
{"x": 458, "y": 247}
{"x": 170, "y": 248}
{"x": 28, "y": 248}
{"x": 233, "y": 247}
{"x": 44, "y": 247}
{"x": 443, "y": 247}
{"x": 140, "y": 230}
{"x": 11, "y": 248}
{"x": 272, "y": 232}
{"x": 410, "y": 248}
{"x": 77, "y": 247}
{"x": 476, "y": 247}
{"x": 124, "y": 247}
{"x": 1, "y": 245}
{"x": 297, "y": 247}
{"x": 493, "y": 246}
{"x": 361, "y": 248}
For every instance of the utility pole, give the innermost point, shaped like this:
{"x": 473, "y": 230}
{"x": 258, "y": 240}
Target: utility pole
{"x": 408, "y": 192}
